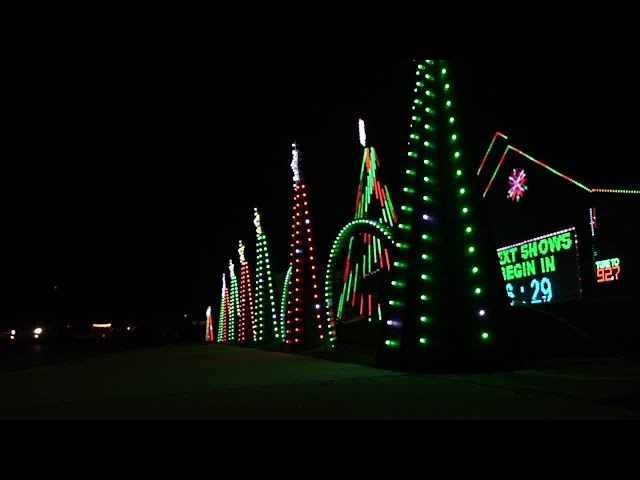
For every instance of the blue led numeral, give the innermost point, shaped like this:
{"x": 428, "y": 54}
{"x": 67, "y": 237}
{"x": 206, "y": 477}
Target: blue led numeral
{"x": 535, "y": 284}
{"x": 511, "y": 294}
{"x": 542, "y": 292}
{"x": 547, "y": 292}
{"x": 541, "y": 286}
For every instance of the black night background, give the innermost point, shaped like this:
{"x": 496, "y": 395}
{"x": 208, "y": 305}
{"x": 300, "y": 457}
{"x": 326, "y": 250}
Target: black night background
{"x": 126, "y": 185}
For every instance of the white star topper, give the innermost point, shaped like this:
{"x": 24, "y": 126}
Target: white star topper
{"x": 295, "y": 163}
{"x": 256, "y": 221}
{"x": 363, "y": 133}
{"x": 241, "y": 251}
{"x": 232, "y": 272}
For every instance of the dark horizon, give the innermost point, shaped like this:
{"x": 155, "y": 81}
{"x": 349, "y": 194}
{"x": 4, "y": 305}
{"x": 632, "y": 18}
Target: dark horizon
{"x": 127, "y": 184}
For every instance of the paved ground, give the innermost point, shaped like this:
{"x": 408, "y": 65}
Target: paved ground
{"x": 221, "y": 382}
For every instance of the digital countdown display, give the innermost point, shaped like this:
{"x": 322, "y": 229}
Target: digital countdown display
{"x": 542, "y": 270}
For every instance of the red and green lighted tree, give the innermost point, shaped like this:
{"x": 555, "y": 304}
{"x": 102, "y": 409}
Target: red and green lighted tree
{"x": 223, "y": 320}
{"x": 449, "y": 309}
{"x": 246, "y": 322}
{"x": 367, "y": 254}
{"x": 209, "y": 335}
{"x": 373, "y": 200}
{"x": 303, "y": 319}
{"x": 267, "y": 322}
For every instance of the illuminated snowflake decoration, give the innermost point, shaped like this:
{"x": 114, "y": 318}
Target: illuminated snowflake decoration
{"x": 517, "y": 184}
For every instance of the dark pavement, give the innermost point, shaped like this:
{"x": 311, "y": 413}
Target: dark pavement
{"x": 198, "y": 381}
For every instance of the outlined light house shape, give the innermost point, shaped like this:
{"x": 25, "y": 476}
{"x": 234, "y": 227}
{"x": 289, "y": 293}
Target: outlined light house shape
{"x": 448, "y": 308}
{"x": 223, "y": 319}
{"x": 366, "y": 252}
{"x": 246, "y": 324}
{"x": 268, "y": 324}
{"x": 304, "y": 326}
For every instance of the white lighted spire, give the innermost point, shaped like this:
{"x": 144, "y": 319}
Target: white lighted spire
{"x": 209, "y": 312}
{"x": 295, "y": 166}
{"x": 241, "y": 251}
{"x": 256, "y": 221}
{"x": 363, "y": 133}
{"x": 232, "y": 273}
{"x": 224, "y": 282}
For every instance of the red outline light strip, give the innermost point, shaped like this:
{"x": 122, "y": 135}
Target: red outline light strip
{"x": 529, "y": 157}
{"x": 551, "y": 169}
{"x": 495, "y": 172}
{"x": 619, "y": 191}
{"x": 486, "y": 155}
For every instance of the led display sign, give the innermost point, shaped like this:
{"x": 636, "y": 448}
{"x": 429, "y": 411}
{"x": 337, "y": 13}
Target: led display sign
{"x": 608, "y": 270}
{"x": 543, "y": 269}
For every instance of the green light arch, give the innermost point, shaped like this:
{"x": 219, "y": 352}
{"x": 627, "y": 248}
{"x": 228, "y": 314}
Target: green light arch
{"x": 349, "y": 230}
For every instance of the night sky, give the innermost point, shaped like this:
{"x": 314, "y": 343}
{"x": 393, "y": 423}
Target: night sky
{"x": 126, "y": 185}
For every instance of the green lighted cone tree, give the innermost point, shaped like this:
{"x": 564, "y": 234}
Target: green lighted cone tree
{"x": 234, "y": 305}
{"x": 267, "y": 321}
{"x": 449, "y": 309}
{"x": 223, "y": 319}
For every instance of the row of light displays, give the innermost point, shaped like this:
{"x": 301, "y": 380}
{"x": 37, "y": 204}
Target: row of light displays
{"x": 238, "y": 306}
{"x": 303, "y": 319}
{"x": 247, "y": 330}
{"x": 448, "y": 302}
{"x": 267, "y": 322}
{"x": 543, "y": 269}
